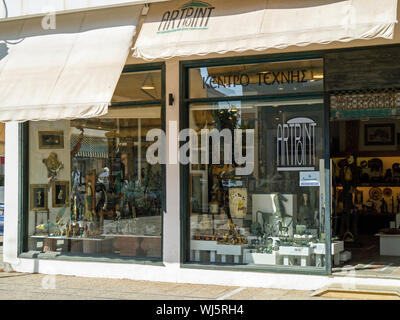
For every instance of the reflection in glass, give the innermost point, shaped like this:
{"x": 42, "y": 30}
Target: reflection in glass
{"x": 106, "y": 198}
{"x": 271, "y": 216}
{"x": 257, "y": 79}
{"x": 138, "y": 86}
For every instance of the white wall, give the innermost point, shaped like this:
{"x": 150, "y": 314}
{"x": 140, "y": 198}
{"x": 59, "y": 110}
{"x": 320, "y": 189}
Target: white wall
{"x": 11, "y": 200}
{"x": 37, "y": 169}
{"x": 171, "y": 242}
{"x": 16, "y": 8}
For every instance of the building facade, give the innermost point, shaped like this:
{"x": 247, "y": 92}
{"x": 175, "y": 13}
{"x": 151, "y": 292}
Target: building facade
{"x": 115, "y": 162}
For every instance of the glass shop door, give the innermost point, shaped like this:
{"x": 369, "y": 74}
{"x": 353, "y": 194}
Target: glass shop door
{"x": 285, "y": 193}
{"x": 295, "y": 170}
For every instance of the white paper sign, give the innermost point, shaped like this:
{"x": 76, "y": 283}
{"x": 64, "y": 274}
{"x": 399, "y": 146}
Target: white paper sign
{"x": 309, "y": 179}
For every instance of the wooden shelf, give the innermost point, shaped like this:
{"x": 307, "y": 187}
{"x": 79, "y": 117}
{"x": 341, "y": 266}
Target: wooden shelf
{"x": 375, "y": 184}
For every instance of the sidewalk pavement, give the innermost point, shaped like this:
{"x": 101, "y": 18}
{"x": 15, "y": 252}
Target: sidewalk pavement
{"x": 26, "y": 286}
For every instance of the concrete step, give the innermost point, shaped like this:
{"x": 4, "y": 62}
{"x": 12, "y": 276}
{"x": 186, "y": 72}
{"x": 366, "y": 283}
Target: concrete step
{"x": 365, "y": 292}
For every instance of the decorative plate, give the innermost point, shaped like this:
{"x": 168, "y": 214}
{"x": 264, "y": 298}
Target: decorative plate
{"x": 387, "y": 192}
{"x": 375, "y": 193}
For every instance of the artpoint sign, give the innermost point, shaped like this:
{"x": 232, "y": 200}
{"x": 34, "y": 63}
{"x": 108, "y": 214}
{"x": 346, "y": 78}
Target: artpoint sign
{"x": 193, "y": 15}
{"x": 295, "y": 145}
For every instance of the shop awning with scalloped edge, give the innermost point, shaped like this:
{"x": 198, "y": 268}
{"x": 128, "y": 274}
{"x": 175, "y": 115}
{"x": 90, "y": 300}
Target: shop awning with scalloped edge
{"x": 185, "y": 28}
{"x": 65, "y": 72}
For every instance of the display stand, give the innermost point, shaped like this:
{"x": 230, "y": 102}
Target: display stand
{"x": 289, "y": 253}
{"x": 261, "y": 258}
{"x": 196, "y": 246}
{"x": 319, "y": 250}
{"x": 389, "y": 244}
{"x": 229, "y": 250}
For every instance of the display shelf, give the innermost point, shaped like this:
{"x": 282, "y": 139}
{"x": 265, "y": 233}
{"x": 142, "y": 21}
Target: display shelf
{"x": 261, "y": 258}
{"x": 289, "y": 252}
{"x": 371, "y": 213}
{"x": 203, "y": 245}
{"x": 374, "y": 184}
{"x": 230, "y": 250}
{"x": 114, "y": 235}
{"x": 319, "y": 249}
{"x": 66, "y": 238}
{"x": 389, "y": 244}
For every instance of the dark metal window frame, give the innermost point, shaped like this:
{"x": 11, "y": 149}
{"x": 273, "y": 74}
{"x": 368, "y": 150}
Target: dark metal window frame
{"x": 23, "y": 181}
{"x": 185, "y": 101}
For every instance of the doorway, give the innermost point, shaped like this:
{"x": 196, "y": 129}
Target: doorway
{"x": 365, "y": 165}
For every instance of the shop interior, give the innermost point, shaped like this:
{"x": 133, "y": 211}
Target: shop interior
{"x": 365, "y": 154}
{"x": 92, "y": 192}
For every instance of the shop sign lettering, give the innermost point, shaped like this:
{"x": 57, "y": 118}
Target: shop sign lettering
{"x": 261, "y": 78}
{"x": 295, "y": 144}
{"x": 194, "y": 15}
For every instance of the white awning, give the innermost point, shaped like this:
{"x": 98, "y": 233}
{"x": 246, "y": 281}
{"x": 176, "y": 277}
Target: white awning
{"x": 185, "y": 28}
{"x": 67, "y": 72}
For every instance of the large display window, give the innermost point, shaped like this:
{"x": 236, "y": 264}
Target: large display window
{"x": 257, "y": 173}
{"x": 91, "y": 190}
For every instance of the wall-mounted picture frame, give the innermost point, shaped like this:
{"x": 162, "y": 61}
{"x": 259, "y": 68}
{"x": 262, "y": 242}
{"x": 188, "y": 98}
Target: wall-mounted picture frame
{"x": 60, "y": 193}
{"x": 379, "y": 134}
{"x": 51, "y": 139}
{"x": 38, "y": 197}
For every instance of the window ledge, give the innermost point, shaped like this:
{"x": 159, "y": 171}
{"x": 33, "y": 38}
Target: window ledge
{"x": 255, "y": 268}
{"x": 87, "y": 258}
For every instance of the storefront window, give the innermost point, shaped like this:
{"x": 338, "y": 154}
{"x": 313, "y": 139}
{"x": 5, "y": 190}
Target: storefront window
{"x": 138, "y": 86}
{"x": 256, "y": 183}
{"x": 256, "y": 79}
{"x": 92, "y": 192}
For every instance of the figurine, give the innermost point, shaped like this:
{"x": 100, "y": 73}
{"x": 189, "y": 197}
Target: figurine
{"x": 75, "y": 194}
{"x": 376, "y": 166}
{"x": 117, "y": 212}
{"x": 76, "y": 230}
{"x": 88, "y": 202}
{"x": 69, "y": 230}
{"x": 38, "y": 198}
{"x": 305, "y": 213}
{"x": 388, "y": 176}
{"x": 75, "y": 209}
{"x": 267, "y": 228}
{"x": 364, "y": 176}
{"x": 256, "y": 228}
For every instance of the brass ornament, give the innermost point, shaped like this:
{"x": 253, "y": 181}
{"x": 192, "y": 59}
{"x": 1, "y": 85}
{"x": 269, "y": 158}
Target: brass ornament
{"x": 53, "y": 166}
